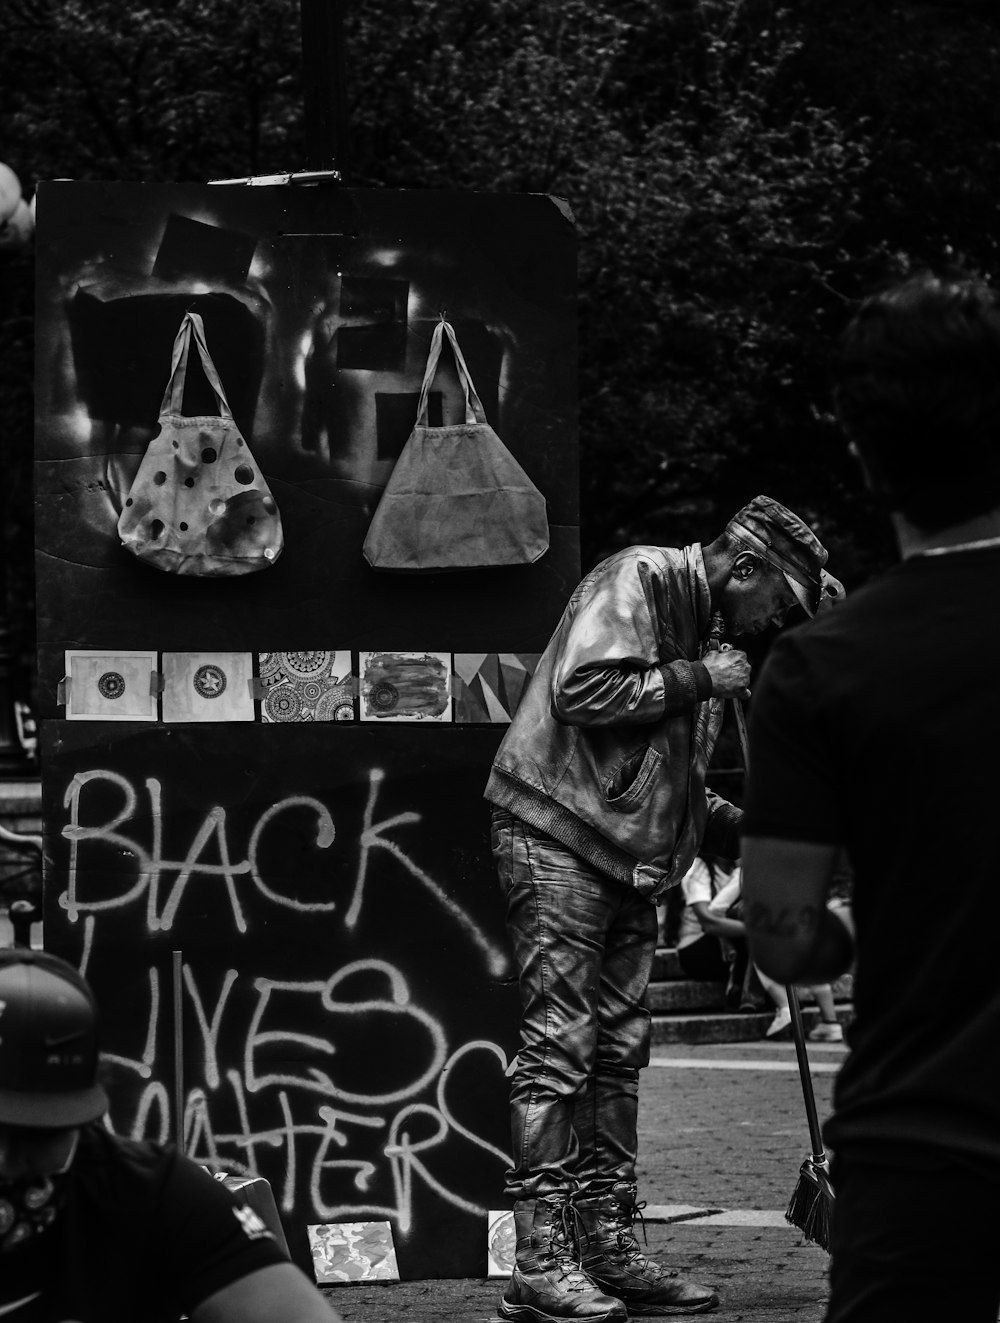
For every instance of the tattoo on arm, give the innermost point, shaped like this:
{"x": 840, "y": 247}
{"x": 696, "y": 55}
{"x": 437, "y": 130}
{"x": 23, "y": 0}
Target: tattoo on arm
{"x": 786, "y": 921}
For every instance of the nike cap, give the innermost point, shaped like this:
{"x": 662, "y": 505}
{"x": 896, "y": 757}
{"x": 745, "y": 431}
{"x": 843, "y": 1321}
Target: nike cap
{"x": 48, "y": 1043}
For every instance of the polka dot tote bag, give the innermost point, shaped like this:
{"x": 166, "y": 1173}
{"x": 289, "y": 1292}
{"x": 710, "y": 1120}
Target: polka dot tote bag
{"x": 199, "y": 504}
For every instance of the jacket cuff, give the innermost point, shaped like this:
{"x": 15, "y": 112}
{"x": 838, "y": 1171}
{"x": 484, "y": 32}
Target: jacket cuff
{"x": 702, "y": 680}
{"x": 722, "y": 831}
{"x": 680, "y": 692}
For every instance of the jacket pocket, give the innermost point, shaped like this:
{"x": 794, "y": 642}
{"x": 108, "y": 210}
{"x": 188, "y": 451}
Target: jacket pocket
{"x": 630, "y": 782}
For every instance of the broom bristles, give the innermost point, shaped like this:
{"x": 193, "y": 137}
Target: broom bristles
{"x": 811, "y": 1205}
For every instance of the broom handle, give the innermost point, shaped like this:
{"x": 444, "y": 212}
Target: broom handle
{"x": 798, "y": 1030}
{"x": 808, "y": 1093}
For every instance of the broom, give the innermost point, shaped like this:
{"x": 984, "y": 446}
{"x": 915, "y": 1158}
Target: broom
{"x": 811, "y": 1206}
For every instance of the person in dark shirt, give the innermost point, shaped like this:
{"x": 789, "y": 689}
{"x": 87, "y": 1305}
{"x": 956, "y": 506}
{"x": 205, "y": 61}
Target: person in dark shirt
{"x": 877, "y": 729}
{"x": 99, "y": 1229}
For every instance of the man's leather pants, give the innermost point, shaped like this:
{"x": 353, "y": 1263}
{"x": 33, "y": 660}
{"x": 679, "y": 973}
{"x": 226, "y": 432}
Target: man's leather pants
{"x": 584, "y": 946}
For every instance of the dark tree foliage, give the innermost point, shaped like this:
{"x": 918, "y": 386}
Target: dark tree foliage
{"x": 741, "y": 172}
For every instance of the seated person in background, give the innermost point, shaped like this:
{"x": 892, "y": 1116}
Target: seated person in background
{"x": 99, "y": 1229}
{"x": 710, "y": 946}
{"x": 723, "y": 909}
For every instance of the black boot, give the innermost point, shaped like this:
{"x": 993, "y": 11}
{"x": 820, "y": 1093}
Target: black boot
{"x": 610, "y": 1255}
{"x": 547, "y": 1281}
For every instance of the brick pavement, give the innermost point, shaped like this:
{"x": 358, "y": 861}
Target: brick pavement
{"x": 769, "y": 1274}
{"x": 731, "y": 1140}
{"x": 709, "y": 1138}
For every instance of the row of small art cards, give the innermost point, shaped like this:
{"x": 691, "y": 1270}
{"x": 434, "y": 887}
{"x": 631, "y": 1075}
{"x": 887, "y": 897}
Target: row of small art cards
{"x": 330, "y": 685}
{"x": 345, "y": 1252}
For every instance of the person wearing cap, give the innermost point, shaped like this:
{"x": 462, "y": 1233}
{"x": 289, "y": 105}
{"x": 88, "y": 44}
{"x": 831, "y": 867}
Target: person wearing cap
{"x": 99, "y": 1229}
{"x": 599, "y": 806}
{"x": 877, "y": 731}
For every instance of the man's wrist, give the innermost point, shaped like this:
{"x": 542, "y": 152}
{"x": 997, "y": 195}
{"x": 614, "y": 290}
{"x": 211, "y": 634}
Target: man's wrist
{"x": 702, "y": 677}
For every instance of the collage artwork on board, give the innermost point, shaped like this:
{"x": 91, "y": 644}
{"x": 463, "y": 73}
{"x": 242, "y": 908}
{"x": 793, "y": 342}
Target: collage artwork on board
{"x": 319, "y": 685}
{"x": 306, "y": 517}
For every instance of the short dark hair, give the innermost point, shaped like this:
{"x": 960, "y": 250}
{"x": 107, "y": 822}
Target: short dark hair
{"x": 917, "y": 389}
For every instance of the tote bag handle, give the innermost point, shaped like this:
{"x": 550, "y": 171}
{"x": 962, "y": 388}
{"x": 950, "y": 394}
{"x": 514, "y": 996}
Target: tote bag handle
{"x": 173, "y": 396}
{"x": 474, "y": 411}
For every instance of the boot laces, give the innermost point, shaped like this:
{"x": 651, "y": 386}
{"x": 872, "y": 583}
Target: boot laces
{"x": 627, "y": 1241}
{"x": 562, "y": 1249}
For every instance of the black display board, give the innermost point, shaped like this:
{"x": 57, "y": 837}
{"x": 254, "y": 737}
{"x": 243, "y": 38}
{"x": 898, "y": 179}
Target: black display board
{"x": 347, "y": 1001}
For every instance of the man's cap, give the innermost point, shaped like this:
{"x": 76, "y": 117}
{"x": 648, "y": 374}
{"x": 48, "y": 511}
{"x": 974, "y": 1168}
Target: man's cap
{"x": 48, "y": 1043}
{"x": 776, "y": 534}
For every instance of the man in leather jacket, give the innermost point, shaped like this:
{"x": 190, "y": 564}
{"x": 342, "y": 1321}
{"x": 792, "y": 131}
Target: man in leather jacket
{"x": 600, "y": 806}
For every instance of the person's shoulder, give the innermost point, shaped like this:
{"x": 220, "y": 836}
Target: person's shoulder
{"x": 643, "y": 551}
{"x": 99, "y": 1144}
{"x": 106, "y": 1158}
{"x": 128, "y": 1175}
{"x": 632, "y": 566}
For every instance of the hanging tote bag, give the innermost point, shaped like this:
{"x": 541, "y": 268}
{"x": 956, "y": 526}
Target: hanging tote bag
{"x": 199, "y": 504}
{"x": 457, "y": 498}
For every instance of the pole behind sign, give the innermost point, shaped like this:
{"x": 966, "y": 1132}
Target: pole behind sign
{"x": 323, "y": 79}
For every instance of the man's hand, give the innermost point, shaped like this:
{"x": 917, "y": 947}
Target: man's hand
{"x": 730, "y": 672}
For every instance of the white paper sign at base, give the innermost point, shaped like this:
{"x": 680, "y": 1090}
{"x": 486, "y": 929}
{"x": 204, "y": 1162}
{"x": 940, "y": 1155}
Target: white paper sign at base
{"x": 500, "y": 1239}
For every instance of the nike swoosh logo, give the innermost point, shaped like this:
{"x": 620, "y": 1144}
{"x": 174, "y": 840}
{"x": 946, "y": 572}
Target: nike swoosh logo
{"x": 16, "y": 1304}
{"x": 59, "y": 1040}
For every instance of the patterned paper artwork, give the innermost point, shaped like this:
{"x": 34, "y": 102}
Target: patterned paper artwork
{"x": 110, "y": 686}
{"x": 500, "y": 1241}
{"x": 353, "y": 1252}
{"x": 207, "y": 686}
{"x": 405, "y": 686}
{"x": 489, "y": 685}
{"x": 307, "y": 686}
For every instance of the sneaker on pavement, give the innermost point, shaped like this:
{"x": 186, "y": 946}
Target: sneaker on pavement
{"x": 779, "y": 1024}
{"x": 826, "y": 1032}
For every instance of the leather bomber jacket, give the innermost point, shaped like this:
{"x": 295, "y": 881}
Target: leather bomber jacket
{"x": 608, "y": 749}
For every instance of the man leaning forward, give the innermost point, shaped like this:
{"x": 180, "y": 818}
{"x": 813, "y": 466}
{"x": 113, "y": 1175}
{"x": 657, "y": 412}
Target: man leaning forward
{"x": 599, "y": 806}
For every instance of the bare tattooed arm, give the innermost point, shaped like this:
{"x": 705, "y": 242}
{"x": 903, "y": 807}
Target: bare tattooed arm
{"x": 793, "y": 936}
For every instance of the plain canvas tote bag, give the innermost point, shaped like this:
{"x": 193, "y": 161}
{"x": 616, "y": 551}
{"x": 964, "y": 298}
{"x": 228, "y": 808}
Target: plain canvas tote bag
{"x": 199, "y": 504}
{"x": 457, "y": 498}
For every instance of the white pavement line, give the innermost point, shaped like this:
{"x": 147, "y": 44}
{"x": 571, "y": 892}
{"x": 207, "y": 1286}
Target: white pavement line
{"x": 689, "y": 1215}
{"x": 675, "y": 1212}
{"x": 703, "y": 1063}
{"x": 743, "y": 1217}
{"x": 773, "y": 1045}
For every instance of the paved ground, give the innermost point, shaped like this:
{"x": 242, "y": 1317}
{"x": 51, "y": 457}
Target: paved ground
{"x": 722, "y": 1134}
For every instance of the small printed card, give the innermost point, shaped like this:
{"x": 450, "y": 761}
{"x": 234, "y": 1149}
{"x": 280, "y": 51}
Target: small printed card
{"x": 207, "y": 686}
{"x": 307, "y": 686}
{"x": 489, "y": 685}
{"x": 500, "y": 1239}
{"x": 352, "y": 1252}
{"x": 110, "y": 686}
{"x": 405, "y": 686}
